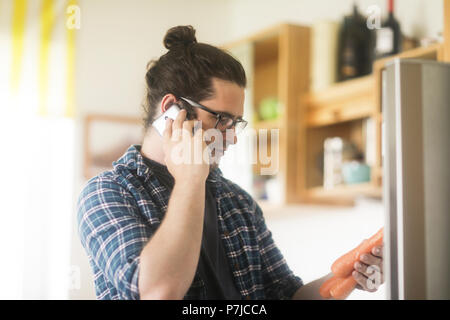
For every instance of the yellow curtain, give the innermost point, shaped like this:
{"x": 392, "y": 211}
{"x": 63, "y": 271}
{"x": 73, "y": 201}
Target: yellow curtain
{"x": 38, "y": 41}
{"x": 37, "y": 132}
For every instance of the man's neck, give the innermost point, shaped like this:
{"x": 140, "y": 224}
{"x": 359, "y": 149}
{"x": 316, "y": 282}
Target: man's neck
{"x": 152, "y": 146}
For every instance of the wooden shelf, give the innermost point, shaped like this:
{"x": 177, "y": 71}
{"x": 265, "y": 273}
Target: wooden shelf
{"x": 340, "y": 111}
{"x": 344, "y": 101}
{"x": 347, "y": 189}
{"x": 280, "y": 67}
{"x": 342, "y": 91}
{"x": 430, "y": 52}
{"x": 343, "y": 194}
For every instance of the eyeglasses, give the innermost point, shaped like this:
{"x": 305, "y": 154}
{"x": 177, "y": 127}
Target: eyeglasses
{"x": 223, "y": 121}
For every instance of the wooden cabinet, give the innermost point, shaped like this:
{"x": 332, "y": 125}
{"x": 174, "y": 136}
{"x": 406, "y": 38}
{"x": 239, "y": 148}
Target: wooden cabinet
{"x": 345, "y": 110}
{"x": 278, "y": 68}
{"x": 445, "y": 51}
{"x": 277, "y": 63}
{"x": 346, "y": 101}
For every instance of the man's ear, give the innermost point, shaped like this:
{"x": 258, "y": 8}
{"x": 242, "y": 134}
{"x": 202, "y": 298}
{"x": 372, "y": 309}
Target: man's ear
{"x": 167, "y": 101}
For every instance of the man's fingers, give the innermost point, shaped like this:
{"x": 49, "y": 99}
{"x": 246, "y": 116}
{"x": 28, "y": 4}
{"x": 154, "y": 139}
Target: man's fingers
{"x": 361, "y": 267}
{"x": 363, "y": 281}
{"x": 201, "y": 147}
{"x": 367, "y": 270}
{"x": 167, "y": 134}
{"x": 358, "y": 286}
{"x": 188, "y": 126}
{"x": 370, "y": 259}
{"x": 378, "y": 251}
{"x": 177, "y": 125}
{"x": 179, "y": 119}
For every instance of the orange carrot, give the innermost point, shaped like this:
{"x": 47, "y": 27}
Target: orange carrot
{"x": 343, "y": 288}
{"x": 327, "y": 285}
{"x": 338, "y": 288}
{"x": 343, "y": 266}
{"x": 343, "y": 283}
{"x": 367, "y": 246}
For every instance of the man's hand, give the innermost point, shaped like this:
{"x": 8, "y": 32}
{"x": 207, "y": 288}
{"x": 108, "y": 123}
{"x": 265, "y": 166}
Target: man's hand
{"x": 169, "y": 260}
{"x": 369, "y": 270}
{"x": 184, "y": 151}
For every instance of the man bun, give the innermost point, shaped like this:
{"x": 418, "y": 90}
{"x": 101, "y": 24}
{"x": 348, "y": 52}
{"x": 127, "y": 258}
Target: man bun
{"x": 179, "y": 36}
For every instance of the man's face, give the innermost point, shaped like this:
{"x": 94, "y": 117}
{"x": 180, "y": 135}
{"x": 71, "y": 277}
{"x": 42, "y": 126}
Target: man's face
{"x": 228, "y": 99}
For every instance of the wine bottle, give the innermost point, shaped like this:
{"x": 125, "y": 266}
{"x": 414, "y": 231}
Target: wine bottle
{"x": 389, "y": 35}
{"x": 356, "y": 46}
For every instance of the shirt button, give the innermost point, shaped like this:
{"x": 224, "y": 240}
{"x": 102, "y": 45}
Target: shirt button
{"x": 236, "y": 266}
{"x": 226, "y": 233}
{"x": 247, "y": 298}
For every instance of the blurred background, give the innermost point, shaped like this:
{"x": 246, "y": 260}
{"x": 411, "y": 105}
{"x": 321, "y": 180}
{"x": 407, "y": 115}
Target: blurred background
{"x": 72, "y": 85}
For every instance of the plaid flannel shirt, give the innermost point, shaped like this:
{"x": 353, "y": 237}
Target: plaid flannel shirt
{"x": 119, "y": 210}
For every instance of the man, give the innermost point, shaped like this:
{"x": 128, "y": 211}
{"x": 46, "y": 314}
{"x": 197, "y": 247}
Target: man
{"x": 155, "y": 227}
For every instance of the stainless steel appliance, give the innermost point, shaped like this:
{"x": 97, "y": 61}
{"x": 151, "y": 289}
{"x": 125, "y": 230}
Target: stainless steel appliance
{"x": 416, "y": 161}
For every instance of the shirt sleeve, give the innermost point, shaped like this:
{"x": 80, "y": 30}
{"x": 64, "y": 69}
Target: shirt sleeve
{"x": 280, "y": 283}
{"x": 112, "y": 233}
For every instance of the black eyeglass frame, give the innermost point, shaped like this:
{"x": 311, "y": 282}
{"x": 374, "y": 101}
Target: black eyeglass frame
{"x": 218, "y": 115}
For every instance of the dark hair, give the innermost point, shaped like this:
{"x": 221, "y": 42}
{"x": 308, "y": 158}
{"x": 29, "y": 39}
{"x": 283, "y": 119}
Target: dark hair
{"x": 187, "y": 70}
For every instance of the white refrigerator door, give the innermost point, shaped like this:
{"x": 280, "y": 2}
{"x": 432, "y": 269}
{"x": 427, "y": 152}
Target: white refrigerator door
{"x": 416, "y": 148}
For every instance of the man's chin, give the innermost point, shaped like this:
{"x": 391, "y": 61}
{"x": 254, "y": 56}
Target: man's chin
{"x": 213, "y": 166}
{"x": 215, "y": 161}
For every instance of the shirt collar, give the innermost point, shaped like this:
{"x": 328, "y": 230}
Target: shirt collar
{"x": 132, "y": 159}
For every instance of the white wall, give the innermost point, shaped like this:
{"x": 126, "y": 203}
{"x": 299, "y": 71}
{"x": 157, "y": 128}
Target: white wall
{"x": 417, "y": 17}
{"x": 118, "y": 38}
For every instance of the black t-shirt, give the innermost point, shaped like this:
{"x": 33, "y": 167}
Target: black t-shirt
{"x": 213, "y": 266}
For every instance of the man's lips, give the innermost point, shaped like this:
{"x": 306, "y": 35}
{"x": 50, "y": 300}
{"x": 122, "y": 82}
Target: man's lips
{"x": 216, "y": 150}
{"x": 219, "y": 151}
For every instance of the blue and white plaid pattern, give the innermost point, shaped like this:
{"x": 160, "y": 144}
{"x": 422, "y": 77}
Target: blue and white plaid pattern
{"x": 119, "y": 210}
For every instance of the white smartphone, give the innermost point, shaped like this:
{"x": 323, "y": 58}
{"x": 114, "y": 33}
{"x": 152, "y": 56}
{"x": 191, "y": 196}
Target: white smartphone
{"x": 171, "y": 113}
